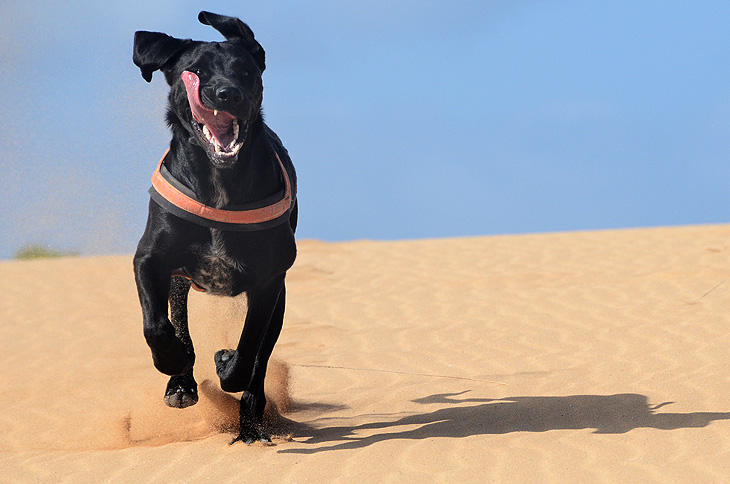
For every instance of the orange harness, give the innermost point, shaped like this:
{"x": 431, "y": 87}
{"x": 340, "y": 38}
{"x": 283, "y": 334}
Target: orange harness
{"x": 170, "y": 194}
{"x": 241, "y": 220}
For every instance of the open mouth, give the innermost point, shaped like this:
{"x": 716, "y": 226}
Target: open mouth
{"x": 221, "y": 133}
{"x": 221, "y": 140}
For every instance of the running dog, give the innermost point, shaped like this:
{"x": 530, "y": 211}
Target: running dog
{"x": 222, "y": 212}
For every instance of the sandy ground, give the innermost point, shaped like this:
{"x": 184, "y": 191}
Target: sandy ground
{"x": 577, "y": 357}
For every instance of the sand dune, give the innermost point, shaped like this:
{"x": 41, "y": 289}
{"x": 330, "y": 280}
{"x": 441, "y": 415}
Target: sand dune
{"x": 573, "y": 357}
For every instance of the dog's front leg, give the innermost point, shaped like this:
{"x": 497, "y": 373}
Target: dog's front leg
{"x": 182, "y": 390}
{"x": 170, "y": 355}
{"x": 253, "y": 401}
{"x": 243, "y": 369}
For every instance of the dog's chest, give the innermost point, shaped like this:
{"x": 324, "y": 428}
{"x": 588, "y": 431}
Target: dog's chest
{"x": 229, "y": 264}
{"x": 216, "y": 270}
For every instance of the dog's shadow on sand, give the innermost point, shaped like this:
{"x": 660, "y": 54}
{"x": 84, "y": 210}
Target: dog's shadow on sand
{"x": 464, "y": 417}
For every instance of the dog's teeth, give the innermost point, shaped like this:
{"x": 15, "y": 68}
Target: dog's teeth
{"x": 235, "y": 131}
{"x": 206, "y": 132}
{"x": 215, "y": 112}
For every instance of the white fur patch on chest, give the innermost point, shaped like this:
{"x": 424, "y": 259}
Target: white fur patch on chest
{"x": 216, "y": 269}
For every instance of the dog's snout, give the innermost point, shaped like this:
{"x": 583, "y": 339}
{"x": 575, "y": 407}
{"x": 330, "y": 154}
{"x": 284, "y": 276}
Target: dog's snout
{"x": 229, "y": 94}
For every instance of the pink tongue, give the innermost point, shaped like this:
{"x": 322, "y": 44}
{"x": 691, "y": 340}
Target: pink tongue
{"x": 220, "y": 124}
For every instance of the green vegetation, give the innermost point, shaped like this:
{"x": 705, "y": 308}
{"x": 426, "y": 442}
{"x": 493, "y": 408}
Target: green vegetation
{"x": 38, "y": 251}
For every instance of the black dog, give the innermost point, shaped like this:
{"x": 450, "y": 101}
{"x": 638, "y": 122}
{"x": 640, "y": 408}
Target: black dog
{"x": 222, "y": 213}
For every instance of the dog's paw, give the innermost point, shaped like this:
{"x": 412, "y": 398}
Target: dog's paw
{"x": 252, "y": 432}
{"x": 225, "y": 367}
{"x": 182, "y": 391}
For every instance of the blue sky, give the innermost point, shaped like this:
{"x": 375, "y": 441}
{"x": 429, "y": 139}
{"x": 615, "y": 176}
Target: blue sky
{"x": 404, "y": 119}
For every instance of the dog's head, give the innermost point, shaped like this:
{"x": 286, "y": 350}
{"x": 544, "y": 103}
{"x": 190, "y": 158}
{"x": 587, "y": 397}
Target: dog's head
{"x": 215, "y": 87}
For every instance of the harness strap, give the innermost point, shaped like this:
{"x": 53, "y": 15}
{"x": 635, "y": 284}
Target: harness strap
{"x": 183, "y": 273}
{"x": 171, "y": 198}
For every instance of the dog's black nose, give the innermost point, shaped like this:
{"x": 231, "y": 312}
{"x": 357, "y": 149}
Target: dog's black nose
{"x": 229, "y": 94}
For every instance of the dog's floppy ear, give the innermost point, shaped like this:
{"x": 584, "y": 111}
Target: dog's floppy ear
{"x": 233, "y": 29}
{"x": 152, "y": 50}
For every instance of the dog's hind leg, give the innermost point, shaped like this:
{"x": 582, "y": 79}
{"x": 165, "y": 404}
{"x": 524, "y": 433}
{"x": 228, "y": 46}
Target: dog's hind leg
{"x": 182, "y": 390}
{"x": 244, "y": 369}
